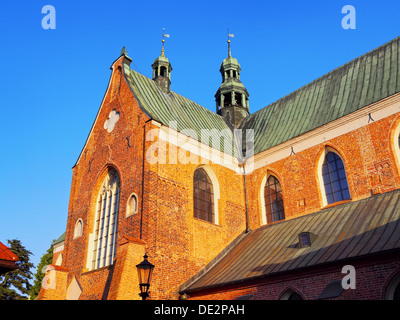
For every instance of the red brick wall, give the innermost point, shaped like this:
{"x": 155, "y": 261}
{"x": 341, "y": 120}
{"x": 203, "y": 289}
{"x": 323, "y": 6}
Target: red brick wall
{"x": 369, "y": 159}
{"x": 183, "y": 244}
{"x": 55, "y": 256}
{"x": 178, "y": 244}
{"x": 104, "y": 150}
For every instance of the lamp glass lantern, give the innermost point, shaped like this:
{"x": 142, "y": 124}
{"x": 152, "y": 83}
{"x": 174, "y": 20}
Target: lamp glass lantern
{"x": 145, "y": 271}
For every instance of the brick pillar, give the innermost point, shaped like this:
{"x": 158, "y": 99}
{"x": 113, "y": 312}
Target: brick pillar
{"x": 124, "y": 283}
{"x": 54, "y": 284}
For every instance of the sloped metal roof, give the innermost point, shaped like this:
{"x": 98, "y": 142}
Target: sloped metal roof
{"x": 353, "y": 229}
{"x": 59, "y": 240}
{"x": 353, "y": 86}
{"x": 170, "y": 108}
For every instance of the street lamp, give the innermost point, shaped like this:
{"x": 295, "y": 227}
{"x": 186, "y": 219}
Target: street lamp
{"x": 145, "y": 270}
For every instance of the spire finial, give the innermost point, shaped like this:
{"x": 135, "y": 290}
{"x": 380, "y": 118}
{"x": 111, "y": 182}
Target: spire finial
{"x": 230, "y": 35}
{"x": 123, "y": 51}
{"x": 164, "y": 35}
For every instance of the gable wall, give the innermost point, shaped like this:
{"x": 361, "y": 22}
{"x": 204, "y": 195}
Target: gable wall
{"x": 177, "y": 243}
{"x": 102, "y": 150}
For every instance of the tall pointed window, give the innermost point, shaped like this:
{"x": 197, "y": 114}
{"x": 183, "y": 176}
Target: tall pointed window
{"x": 334, "y": 178}
{"x": 203, "y": 196}
{"x": 393, "y": 288}
{"x": 273, "y": 200}
{"x": 106, "y": 221}
{"x": 78, "y": 228}
{"x": 398, "y": 141}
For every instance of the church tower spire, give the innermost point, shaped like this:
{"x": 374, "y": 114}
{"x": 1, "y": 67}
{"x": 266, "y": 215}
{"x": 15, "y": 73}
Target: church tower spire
{"x": 162, "y": 68}
{"x": 232, "y": 98}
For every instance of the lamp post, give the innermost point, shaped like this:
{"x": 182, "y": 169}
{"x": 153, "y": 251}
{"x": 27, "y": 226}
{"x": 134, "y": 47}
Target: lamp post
{"x": 145, "y": 270}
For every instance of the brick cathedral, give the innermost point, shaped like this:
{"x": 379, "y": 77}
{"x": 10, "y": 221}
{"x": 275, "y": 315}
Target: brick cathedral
{"x": 299, "y": 200}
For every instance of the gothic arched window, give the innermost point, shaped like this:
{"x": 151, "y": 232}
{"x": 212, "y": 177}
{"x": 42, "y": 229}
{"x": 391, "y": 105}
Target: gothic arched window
{"x": 398, "y": 141}
{"x": 290, "y": 294}
{"x": 106, "y": 221}
{"x": 78, "y": 229}
{"x": 393, "y": 289}
{"x": 203, "y": 196}
{"x": 334, "y": 177}
{"x": 273, "y": 200}
{"x": 132, "y": 205}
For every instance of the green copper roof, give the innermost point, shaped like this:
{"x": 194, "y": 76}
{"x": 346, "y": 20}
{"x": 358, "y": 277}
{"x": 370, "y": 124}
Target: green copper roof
{"x": 59, "y": 240}
{"x": 167, "y": 108}
{"x": 341, "y": 232}
{"x": 360, "y": 82}
{"x": 161, "y": 58}
{"x": 230, "y": 63}
{"x": 233, "y": 84}
{"x": 365, "y": 80}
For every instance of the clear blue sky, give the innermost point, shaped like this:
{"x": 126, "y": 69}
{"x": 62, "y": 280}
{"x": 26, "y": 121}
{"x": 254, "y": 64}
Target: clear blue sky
{"x": 52, "y": 81}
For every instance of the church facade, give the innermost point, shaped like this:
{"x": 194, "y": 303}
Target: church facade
{"x": 299, "y": 200}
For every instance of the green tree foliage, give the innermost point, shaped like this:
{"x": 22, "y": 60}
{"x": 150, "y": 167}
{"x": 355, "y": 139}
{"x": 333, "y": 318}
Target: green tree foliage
{"x": 45, "y": 260}
{"x": 15, "y": 285}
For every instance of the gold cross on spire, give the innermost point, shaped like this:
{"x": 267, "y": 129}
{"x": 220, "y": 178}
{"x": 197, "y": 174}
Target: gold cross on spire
{"x": 164, "y": 35}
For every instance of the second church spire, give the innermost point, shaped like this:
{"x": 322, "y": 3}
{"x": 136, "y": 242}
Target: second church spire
{"x": 232, "y": 98}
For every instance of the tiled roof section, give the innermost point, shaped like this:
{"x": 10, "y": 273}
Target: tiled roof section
{"x": 169, "y": 107}
{"x": 360, "y": 82}
{"x": 7, "y": 259}
{"x": 7, "y": 254}
{"x": 345, "y": 231}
